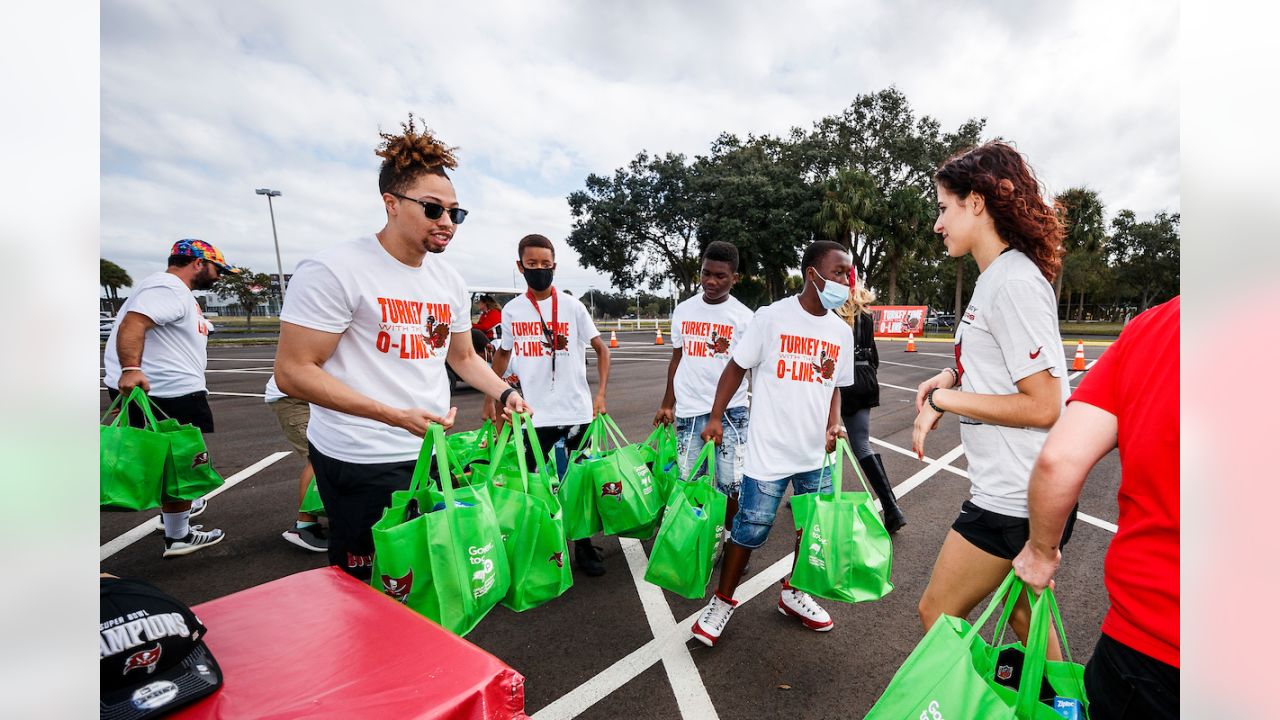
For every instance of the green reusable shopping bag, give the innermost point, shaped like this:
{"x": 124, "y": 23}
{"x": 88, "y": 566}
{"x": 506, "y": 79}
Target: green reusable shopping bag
{"x": 473, "y": 445}
{"x": 133, "y": 461}
{"x": 531, "y": 521}
{"x": 577, "y": 493}
{"x": 951, "y": 673}
{"x": 692, "y": 526}
{"x": 627, "y": 498}
{"x": 661, "y": 452}
{"x": 311, "y": 502}
{"x": 447, "y": 563}
{"x": 845, "y": 552}
{"x": 192, "y": 474}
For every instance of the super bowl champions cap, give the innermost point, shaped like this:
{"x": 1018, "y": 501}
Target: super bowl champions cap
{"x": 153, "y": 656}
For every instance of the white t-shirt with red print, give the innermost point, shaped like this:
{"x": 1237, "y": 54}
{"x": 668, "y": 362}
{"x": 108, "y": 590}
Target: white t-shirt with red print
{"x": 1009, "y": 332}
{"x": 706, "y": 335}
{"x": 175, "y": 351}
{"x": 395, "y": 322}
{"x": 797, "y": 360}
{"x": 566, "y": 398}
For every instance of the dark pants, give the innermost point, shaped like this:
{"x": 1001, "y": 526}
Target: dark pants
{"x": 550, "y": 435}
{"x": 190, "y": 409}
{"x": 1122, "y": 683}
{"x": 354, "y": 496}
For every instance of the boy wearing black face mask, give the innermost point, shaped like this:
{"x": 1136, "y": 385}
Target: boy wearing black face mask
{"x": 544, "y": 335}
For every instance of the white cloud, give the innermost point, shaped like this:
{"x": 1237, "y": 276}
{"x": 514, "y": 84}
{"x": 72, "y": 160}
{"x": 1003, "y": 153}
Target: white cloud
{"x": 203, "y": 102}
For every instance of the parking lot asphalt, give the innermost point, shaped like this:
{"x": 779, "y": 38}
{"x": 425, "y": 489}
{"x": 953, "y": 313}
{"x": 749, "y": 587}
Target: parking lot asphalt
{"x": 599, "y": 651}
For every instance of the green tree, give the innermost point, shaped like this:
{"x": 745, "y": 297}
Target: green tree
{"x": 640, "y": 225}
{"x": 112, "y": 277}
{"x": 848, "y": 200}
{"x": 1085, "y": 233}
{"x": 248, "y": 288}
{"x": 1146, "y": 255}
{"x": 903, "y": 224}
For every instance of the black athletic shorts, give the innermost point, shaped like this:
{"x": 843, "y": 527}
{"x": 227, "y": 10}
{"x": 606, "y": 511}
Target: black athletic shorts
{"x": 1123, "y": 683}
{"x": 354, "y": 496}
{"x": 551, "y": 434}
{"x": 1000, "y": 535}
{"x": 190, "y": 409}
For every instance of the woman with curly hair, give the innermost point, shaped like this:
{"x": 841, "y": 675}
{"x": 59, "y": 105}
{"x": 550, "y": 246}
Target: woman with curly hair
{"x": 1010, "y": 380}
{"x": 857, "y": 400}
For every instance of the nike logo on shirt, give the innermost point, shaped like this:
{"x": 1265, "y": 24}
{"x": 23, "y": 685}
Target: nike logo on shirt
{"x": 1036, "y": 354}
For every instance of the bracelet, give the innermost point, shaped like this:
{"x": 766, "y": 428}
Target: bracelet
{"x": 932, "y": 404}
{"x": 502, "y": 399}
{"x": 131, "y": 367}
{"x": 955, "y": 376}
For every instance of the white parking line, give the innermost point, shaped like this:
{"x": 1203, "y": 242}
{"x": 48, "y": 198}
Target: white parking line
{"x": 583, "y": 697}
{"x": 911, "y": 365}
{"x": 148, "y": 526}
{"x": 1098, "y": 522}
{"x": 686, "y": 681}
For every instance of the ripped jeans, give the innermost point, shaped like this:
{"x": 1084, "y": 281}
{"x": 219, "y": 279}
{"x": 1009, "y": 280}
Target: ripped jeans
{"x": 732, "y": 451}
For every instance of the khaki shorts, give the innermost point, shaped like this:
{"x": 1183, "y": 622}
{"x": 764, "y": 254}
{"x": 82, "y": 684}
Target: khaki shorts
{"x": 293, "y": 415}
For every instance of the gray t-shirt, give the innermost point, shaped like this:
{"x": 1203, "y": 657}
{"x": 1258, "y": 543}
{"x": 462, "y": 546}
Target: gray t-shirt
{"x": 1008, "y": 332}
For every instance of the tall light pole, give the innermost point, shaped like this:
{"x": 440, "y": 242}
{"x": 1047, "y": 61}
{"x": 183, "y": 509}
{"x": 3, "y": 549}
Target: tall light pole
{"x": 279, "y": 265}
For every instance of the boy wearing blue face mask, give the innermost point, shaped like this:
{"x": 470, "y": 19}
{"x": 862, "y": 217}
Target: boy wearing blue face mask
{"x": 799, "y": 351}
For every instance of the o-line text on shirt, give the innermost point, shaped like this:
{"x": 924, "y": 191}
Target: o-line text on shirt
{"x": 806, "y": 359}
{"x": 705, "y": 339}
{"x": 416, "y": 330}
{"x": 528, "y": 339}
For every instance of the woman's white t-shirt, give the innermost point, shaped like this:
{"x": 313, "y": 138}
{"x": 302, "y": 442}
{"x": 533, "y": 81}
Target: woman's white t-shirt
{"x": 1009, "y": 332}
{"x": 797, "y": 360}
{"x": 706, "y": 335}
{"x": 566, "y": 399}
{"x": 396, "y": 322}
{"x": 175, "y": 351}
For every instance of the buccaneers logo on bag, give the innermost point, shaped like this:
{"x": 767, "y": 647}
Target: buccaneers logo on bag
{"x": 398, "y": 588}
{"x": 557, "y": 558}
{"x": 719, "y": 344}
{"x": 143, "y": 660}
{"x": 437, "y": 332}
{"x": 611, "y": 488}
{"x": 825, "y": 367}
{"x": 201, "y": 458}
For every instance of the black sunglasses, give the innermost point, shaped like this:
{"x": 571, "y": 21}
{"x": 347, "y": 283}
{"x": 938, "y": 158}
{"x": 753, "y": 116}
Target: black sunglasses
{"x": 435, "y": 210}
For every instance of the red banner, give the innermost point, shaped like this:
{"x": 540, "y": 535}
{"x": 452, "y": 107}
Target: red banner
{"x": 899, "y": 320}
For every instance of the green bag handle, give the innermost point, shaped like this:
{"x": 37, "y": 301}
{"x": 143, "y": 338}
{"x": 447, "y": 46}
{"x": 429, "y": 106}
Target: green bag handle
{"x": 590, "y": 442}
{"x": 439, "y": 454}
{"x": 835, "y": 461}
{"x": 518, "y": 429}
{"x": 615, "y": 433}
{"x": 136, "y": 397}
{"x": 708, "y": 458}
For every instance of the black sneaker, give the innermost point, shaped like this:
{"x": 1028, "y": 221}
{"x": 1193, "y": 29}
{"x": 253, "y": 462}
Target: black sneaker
{"x": 587, "y": 557}
{"x": 198, "y": 506}
{"x": 311, "y": 537}
{"x": 195, "y": 540}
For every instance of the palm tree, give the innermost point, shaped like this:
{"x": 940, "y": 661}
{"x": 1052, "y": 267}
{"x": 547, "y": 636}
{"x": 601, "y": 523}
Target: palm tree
{"x": 1085, "y": 230}
{"x": 112, "y": 277}
{"x": 848, "y": 202}
{"x": 904, "y": 226}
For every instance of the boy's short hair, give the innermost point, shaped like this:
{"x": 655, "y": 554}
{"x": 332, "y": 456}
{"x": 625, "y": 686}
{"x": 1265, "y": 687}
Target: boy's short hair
{"x": 721, "y": 251}
{"x": 534, "y": 240}
{"x": 818, "y": 250}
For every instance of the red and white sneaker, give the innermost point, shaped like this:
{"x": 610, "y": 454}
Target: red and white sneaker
{"x": 799, "y": 604}
{"x": 707, "y": 629}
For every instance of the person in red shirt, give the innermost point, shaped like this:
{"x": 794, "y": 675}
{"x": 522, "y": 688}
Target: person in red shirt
{"x": 1129, "y": 399}
{"x": 490, "y": 316}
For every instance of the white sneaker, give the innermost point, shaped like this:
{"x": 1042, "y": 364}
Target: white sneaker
{"x": 798, "y": 604}
{"x": 195, "y": 540}
{"x": 707, "y": 629}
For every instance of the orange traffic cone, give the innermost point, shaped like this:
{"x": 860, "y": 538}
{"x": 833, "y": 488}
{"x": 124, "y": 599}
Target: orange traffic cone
{"x": 613, "y": 338}
{"x": 1078, "y": 363}
{"x": 658, "y": 340}
{"x": 911, "y": 342}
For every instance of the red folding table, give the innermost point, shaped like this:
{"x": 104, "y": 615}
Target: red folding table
{"x": 321, "y": 644}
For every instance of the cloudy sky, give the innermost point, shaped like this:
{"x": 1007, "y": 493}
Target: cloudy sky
{"x": 204, "y": 102}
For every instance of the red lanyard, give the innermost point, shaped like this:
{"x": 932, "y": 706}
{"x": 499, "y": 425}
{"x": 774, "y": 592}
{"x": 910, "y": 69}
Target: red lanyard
{"x": 548, "y": 333}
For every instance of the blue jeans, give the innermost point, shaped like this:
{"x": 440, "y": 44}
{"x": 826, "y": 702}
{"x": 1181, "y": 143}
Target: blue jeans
{"x": 731, "y": 453}
{"x": 759, "y": 499}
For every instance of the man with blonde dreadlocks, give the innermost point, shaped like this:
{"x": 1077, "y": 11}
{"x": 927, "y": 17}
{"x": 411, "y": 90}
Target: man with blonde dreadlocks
{"x": 365, "y": 332}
